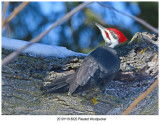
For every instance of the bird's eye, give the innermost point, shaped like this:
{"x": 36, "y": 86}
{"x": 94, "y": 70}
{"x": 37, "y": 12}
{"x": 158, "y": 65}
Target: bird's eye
{"x": 114, "y": 35}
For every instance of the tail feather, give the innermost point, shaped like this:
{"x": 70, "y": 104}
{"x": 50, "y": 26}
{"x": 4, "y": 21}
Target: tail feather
{"x": 55, "y": 88}
{"x": 60, "y": 84}
{"x": 58, "y": 81}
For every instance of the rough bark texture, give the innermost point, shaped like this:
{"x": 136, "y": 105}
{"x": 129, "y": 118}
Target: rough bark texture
{"x": 23, "y": 77}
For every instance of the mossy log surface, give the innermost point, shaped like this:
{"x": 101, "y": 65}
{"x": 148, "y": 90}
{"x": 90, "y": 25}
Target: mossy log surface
{"x": 23, "y": 77}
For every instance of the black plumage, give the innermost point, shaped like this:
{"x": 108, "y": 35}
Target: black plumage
{"x": 98, "y": 69}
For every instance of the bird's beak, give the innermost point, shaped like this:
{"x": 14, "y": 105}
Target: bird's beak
{"x": 103, "y": 30}
{"x": 100, "y": 26}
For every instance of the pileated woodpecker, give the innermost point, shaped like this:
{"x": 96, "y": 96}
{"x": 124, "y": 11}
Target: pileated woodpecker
{"x": 98, "y": 68}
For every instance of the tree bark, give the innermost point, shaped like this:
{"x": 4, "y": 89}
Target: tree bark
{"x": 23, "y": 77}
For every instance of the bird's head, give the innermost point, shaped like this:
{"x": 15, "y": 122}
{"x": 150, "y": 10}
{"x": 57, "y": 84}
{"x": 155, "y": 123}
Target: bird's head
{"x": 112, "y": 36}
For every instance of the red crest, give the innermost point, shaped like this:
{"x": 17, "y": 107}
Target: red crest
{"x": 120, "y": 35}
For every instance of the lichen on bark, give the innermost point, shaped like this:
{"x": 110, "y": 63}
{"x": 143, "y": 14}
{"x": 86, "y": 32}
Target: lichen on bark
{"x": 23, "y": 77}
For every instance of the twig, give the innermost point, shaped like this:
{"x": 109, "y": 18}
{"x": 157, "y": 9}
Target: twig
{"x": 140, "y": 98}
{"x": 39, "y": 37}
{"x": 4, "y": 11}
{"x": 141, "y": 21}
{"x": 14, "y": 13}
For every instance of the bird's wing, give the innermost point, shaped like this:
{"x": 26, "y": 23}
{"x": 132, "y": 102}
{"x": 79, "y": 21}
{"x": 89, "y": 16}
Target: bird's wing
{"x": 86, "y": 71}
{"x": 83, "y": 74}
{"x": 101, "y": 64}
{"x": 102, "y": 59}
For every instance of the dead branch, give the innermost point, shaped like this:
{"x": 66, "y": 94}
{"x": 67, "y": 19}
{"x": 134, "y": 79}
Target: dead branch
{"x": 4, "y": 11}
{"x": 140, "y": 98}
{"x": 39, "y": 37}
{"x": 14, "y": 13}
{"x": 141, "y": 21}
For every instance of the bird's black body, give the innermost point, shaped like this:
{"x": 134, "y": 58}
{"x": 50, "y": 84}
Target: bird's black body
{"x": 98, "y": 68}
